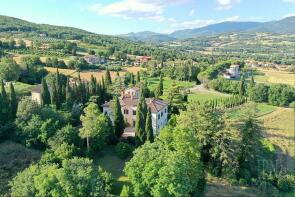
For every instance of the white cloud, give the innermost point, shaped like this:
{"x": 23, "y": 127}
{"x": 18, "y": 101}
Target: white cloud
{"x": 226, "y": 4}
{"x": 192, "y": 12}
{"x": 289, "y": 1}
{"x": 289, "y": 15}
{"x": 201, "y": 23}
{"x": 139, "y": 9}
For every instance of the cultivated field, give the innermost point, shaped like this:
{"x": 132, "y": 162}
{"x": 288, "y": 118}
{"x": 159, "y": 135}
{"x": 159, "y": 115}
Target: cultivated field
{"x": 275, "y": 76}
{"x": 98, "y": 74}
{"x": 280, "y": 129}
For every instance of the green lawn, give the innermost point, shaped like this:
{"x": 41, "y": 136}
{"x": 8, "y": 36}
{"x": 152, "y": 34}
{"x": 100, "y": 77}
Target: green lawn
{"x": 204, "y": 96}
{"x": 110, "y": 162}
{"x": 167, "y": 83}
{"x": 13, "y": 159}
{"x": 262, "y": 109}
{"x": 22, "y": 89}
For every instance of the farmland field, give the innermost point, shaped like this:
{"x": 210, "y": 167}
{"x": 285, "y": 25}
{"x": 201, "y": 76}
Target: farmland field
{"x": 262, "y": 109}
{"x": 204, "y": 96}
{"x": 279, "y": 129}
{"x": 274, "y": 76}
{"x": 167, "y": 83}
{"x": 97, "y": 74}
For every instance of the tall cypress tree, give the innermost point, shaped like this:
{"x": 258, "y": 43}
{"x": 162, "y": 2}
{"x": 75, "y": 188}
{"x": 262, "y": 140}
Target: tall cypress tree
{"x": 242, "y": 86}
{"x": 108, "y": 79}
{"x": 149, "y": 127}
{"x": 45, "y": 95}
{"x": 92, "y": 86}
{"x": 141, "y": 112}
{"x": 138, "y": 77}
{"x": 161, "y": 86}
{"x": 13, "y": 101}
{"x": 69, "y": 94}
{"x": 54, "y": 99}
{"x": 5, "y": 104}
{"x": 118, "y": 118}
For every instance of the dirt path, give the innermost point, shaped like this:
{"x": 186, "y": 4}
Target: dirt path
{"x": 202, "y": 88}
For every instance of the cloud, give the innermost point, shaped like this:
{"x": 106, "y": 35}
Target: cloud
{"x": 192, "y": 12}
{"x": 226, "y": 4}
{"x": 289, "y": 15}
{"x": 289, "y": 1}
{"x": 139, "y": 9}
{"x": 201, "y": 23}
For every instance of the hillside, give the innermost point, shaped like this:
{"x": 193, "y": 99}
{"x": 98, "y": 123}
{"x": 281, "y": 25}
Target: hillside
{"x": 283, "y": 26}
{"x": 224, "y": 27}
{"x": 148, "y": 36}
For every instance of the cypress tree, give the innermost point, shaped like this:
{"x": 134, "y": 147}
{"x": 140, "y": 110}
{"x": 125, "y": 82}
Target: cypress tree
{"x": 13, "y": 101}
{"x": 45, "y": 95}
{"x": 161, "y": 86}
{"x": 149, "y": 127}
{"x": 140, "y": 134}
{"x": 132, "y": 79}
{"x": 92, "y": 86}
{"x": 58, "y": 88}
{"x": 108, "y": 79}
{"x": 118, "y": 118}
{"x": 138, "y": 77}
{"x": 69, "y": 94}
{"x": 242, "y": 86}
{"x": 54, "y": 97}
{"x": 5, "y": 104}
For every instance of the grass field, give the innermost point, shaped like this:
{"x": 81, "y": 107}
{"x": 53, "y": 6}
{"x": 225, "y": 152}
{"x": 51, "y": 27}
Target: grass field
{"x": 167, "y": 83}
{"x": 280, "y": 129}
{"x": 97, "y": 74}
{"x": 274, "y": 76}
{"x": 204, "y": 96}
{"x": 224, "y": 189}
{"x": 262, "y": 109}
{"x": 13, "y": 159}
{"x": 110, "y": 162}
{"x": 21, "y": 89}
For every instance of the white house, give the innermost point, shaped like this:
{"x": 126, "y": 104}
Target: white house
{"x": 232, "y": 72}
{"x": 129, "y": 101}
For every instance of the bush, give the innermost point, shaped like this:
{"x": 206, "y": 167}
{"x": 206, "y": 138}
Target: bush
{"x": 286, "y": 183}
{"x": 123, "y": 150}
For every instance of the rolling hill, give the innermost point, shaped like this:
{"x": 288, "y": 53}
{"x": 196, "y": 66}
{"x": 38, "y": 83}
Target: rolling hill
{"x": 283, "y": 26}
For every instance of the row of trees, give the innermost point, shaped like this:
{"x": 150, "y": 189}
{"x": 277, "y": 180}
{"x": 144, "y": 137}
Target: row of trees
{"x": 8, "y": 109}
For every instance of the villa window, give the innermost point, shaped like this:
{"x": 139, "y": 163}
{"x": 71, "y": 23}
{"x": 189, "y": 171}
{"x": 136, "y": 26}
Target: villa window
{"x": 158, "y": 116}
{"x": 134, "y": 112}
{"x": 126, "y": 111}
{"x": 161, "y": 114}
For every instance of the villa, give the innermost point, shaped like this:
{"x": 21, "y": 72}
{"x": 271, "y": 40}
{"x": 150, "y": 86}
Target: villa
{"x": 129, "y": 101}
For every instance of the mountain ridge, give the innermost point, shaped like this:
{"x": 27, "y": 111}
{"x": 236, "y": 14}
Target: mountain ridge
{"x": 277, "y": 27}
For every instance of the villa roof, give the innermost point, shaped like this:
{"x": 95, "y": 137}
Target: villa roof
{"x": 155, "y": 105}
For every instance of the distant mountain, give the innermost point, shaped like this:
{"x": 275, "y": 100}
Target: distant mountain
{"x": 284, "y": 26}
{"x": 148, "y": 36}
{"x": 224, "y": 27}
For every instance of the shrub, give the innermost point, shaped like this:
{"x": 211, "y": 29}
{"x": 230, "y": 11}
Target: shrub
{"x": 286, "y": 183}
{"x": 123, "y": 150}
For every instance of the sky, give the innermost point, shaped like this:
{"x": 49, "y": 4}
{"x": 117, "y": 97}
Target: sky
{"x": 115, "y": 17}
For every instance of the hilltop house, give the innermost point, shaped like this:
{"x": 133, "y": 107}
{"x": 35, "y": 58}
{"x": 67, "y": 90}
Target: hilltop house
{"x": 233, "y": 72}
{"x": 142, "y": 59}
{"x": 129, "y": 101}
{"x": 93, "y": 59}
